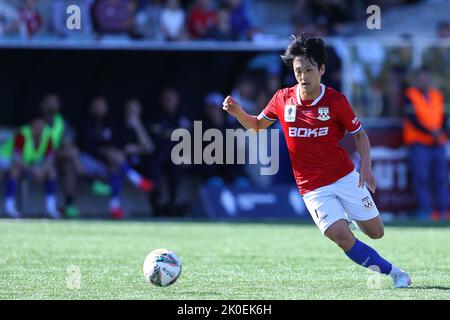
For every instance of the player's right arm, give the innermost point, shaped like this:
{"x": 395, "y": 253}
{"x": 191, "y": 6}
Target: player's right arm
{"x": 248, "y": 121}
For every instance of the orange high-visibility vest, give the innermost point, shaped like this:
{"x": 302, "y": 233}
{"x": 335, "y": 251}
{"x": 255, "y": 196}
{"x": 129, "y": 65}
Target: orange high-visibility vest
{"x": 430, "y": 114}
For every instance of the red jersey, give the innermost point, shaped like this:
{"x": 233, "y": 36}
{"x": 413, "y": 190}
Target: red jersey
{"x": 313, "y": 130}
{"x": 32, "y": 19}
{"x": 200, "y": 22}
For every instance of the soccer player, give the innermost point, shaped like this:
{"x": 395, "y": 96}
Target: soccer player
{"x": 314, "y": 118}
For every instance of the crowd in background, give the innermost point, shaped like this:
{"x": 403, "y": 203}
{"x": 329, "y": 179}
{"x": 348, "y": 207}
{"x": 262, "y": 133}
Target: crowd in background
{"x": 174, "y": 20}
{"x": 377, "y": 71}
{"x": 381, "y": 73}
{"x": 100, "y": 151}
{"x": 138, "y": 19}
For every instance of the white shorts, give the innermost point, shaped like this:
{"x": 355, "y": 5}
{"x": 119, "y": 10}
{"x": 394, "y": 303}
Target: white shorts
{"x": 342, "y": 199}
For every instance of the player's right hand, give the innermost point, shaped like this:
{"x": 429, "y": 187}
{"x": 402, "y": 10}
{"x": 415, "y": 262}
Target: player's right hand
{"x": 231, "y": 106}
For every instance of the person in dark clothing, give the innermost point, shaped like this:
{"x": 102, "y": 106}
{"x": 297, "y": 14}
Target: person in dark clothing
{"x": 102, "y": 155}
{"x": 214, "y": 118}
{"x": 137, "y": 144}
{"x": 134, "y": 139}
{"x": 161, "y": 129}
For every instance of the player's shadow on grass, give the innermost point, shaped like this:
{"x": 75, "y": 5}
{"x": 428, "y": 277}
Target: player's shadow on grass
{"x": 431, "y": 287}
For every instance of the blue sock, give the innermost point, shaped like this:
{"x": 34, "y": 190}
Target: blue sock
{"x": 367, "y": 257}
{"x": 11, "y": 187}
{"x": 115, "y": 181}
{"x": 134, "y": 177}
{"x": 50, "y": 187}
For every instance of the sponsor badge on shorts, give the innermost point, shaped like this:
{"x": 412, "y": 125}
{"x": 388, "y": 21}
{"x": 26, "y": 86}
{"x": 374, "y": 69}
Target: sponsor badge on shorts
{"x": 289, "y": 113}
{"x": 367, "y": 202}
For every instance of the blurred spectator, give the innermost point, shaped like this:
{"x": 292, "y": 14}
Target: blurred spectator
{"x": 30, "y": 152}
{"x": 136, "y": 143}
{"x": 202, "y": 19}
{"x": 31, "y": 17}
{"x": 244, "y": 92}
{"x": 173, "y": 21}
{"x": 392, "y": 79}
{"x": 262, "y": 98}
{"x": 252, "y": 172}
{"x": 59, "y": 17}
{"x": 437, "y": 59}
{"x": 67, "y": 158}
{"x": 102, "y": 155}
{"x": 334, "y": 12}
{"x": 269, "y": 64}
{"x": 214, "y": 115}
{"x": 333, "y": 73}
{"x": 148, "y": 20}
{"x": 10, "y": 22}
{"x": 239, "y": 20}
{"x": 272, "y": 85}
{"x": 425, "y": 134}
{"x": 135, "y": 139}
{"x": 161, "y": 129}
{"x": 115, "y": 16}
{"x": 215, "y": 118}
{"x": 369, "y": 61}
{"x": 222, "y": 31}
{"x": 326, "y": 16}
{"x": 302, "y": 14}
{"x": 443, "y": 30}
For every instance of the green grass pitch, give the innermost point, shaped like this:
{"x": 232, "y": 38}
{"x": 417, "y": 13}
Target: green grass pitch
{"x": 220, "y": 261}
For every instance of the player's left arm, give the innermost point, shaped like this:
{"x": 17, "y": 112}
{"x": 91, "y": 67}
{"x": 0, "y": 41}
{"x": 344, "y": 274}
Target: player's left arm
{"x": 365, "y": 171}
{"x": 354, "y": 127}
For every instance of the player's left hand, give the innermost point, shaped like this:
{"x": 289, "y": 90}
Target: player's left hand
{"x": 366, "y": 177}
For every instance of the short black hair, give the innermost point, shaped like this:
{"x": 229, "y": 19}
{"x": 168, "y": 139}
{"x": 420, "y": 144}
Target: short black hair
{"x": 305, "y": 46}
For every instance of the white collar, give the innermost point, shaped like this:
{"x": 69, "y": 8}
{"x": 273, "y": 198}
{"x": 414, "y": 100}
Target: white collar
{"x": 322, "y": 92}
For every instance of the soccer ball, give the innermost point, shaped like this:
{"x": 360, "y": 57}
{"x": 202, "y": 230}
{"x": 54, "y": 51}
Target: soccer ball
{"x": 162, "y": 267}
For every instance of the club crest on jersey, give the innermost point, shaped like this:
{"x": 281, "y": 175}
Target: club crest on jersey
{"x": 289, "y": 113}
{"x": 323, "y": 114}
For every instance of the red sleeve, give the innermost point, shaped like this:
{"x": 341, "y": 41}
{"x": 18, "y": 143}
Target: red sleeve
{"x": 347, "y": 116}
{"x": 270, "y": 111}
{"x": 19, "y": 142}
